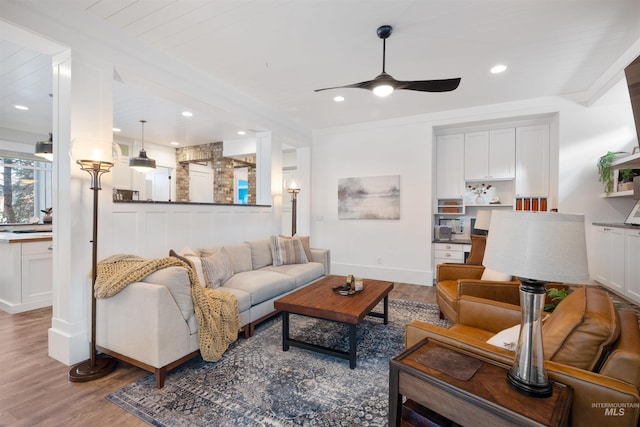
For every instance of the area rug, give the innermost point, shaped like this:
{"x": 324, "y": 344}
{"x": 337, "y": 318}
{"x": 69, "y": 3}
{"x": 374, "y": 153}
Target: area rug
{"x": 257, "y": 384}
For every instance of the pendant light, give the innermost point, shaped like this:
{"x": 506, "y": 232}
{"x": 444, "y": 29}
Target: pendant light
{"x": 44, "y": 149}
{"x": 142, "y": 163}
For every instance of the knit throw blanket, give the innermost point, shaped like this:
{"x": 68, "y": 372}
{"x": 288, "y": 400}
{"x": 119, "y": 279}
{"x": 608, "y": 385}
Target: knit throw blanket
{"x": 216, "y": 309}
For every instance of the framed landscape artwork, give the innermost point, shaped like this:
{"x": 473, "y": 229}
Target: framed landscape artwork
{"x": 374, "y": 197}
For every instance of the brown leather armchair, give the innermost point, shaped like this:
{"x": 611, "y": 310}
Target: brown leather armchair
{"x": 456, "y": 280}
{"x": 588, "y": 345}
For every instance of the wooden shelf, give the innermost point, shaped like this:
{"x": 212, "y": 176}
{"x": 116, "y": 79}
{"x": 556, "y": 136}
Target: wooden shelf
{"x": 632, "y": 161}
{"x": 627, "y": 193}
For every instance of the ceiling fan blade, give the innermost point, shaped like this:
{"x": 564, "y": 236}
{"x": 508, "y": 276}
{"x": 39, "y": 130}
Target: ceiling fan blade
{"x": 361, "y": 85}
{"x": 444, "y": 85}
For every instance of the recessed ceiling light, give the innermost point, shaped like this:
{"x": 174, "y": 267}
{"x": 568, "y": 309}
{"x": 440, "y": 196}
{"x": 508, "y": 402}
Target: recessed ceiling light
{"x": 175, "y": 143}
{"x": 116, "y": 129}
{"x": 338, "y": 98}
{"x": 498, "y": 69}
{"x": 242, "y": 132}
{"x": 21, "y": 107}
{"x": 187, "y": 113}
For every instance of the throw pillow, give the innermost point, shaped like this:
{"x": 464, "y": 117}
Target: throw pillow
{"x": 287, "y": 251}
{"x": 217, "y": 268}
{"x": 305, "y": 244}
{"x": 496, "y": 276}
{"x": 181, "y": 258}
{"x": 195, "y": 260}
{"x": 507, "y": 338}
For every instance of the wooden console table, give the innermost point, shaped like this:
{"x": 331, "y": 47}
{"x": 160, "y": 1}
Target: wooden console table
{"x": 484, "y": 399}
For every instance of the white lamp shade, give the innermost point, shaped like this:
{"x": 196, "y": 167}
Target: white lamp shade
{"x": 544, "y": 246}
{"x": 483, "y": 220}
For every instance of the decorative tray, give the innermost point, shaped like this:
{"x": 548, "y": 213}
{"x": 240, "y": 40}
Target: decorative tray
{"x": 345, "y": 291}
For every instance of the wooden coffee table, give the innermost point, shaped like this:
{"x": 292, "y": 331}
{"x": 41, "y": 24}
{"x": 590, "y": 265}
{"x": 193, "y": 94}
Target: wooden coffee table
{"x": 320, "y": 301}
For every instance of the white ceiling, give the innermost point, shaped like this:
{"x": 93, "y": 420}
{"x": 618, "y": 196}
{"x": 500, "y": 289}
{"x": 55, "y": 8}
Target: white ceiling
{"x": 278, "y": 51}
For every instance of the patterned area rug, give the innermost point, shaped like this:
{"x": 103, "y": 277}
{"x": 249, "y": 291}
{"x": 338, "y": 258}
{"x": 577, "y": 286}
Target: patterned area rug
{"x": 257, "y": 384}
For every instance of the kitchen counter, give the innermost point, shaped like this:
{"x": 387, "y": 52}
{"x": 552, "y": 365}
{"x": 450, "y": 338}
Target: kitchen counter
{"x": 616, "y": 225}
{"x": 453, "y": 241}
{"x": 8, "y": 237}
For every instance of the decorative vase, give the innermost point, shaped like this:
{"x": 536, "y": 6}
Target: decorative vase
{"x": 47, "y": 219}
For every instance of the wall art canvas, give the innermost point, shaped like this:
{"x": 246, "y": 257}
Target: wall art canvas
{"x": 374, "y": 197}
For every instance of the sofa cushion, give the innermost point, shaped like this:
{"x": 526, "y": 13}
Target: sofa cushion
{"x": 240, "y": 256}
{"x": 260, "y": 253}
{"x": 287, "y": 251}
{"x": 261, "y": 284}
{"x": 176, "y": 279}
{"x": 580, "y": 329}
{"x": 217, "y": 268}
{"x": 301, "y": 273}
{"x": 244, "y": 299}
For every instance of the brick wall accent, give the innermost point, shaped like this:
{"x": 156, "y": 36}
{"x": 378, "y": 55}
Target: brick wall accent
{"x": 222, "y": 171}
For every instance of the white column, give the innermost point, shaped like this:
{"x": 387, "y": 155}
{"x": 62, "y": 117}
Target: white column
{"x": 303, "y": 163}
{"x": 82, "y": 128}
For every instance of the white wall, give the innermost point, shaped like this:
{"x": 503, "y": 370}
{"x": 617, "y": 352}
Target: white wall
{"x": 383, "y": 249}
{"x": 404, "y": 147}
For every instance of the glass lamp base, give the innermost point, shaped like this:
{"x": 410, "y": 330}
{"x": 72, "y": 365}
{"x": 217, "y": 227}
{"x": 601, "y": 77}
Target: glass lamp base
{"x": 85, "y": 372}
{"x": 533, "y": 390}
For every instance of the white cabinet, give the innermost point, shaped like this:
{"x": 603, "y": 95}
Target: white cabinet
{"x": 490, "y": 155}
{"x": 502, "y": 153}
{"x": 609, "y": 257}
{"x": 632, "y": 264}
{"x": 476, "y": 155}
{"x": 26, "y": 280}
{"x": 449, "y": 253}
{"x": 37, "y": 270}
{"x": 449, "y": 166}
{"x": 532, "y": 161}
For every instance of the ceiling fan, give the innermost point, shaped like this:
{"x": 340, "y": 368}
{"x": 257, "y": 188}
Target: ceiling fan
{"x": 383, "y": 85}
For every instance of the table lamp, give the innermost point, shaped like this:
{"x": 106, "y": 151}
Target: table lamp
{"x": 483, "y": 220}
{"x": 536, "y": 247}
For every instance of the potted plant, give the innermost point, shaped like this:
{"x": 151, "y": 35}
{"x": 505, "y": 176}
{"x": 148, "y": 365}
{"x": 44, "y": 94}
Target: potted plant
{"x": 556, "y": 295}
{"x": 605, "y": 170}
{"x": 625, "y": 178}
{"x": 48, "y": 218}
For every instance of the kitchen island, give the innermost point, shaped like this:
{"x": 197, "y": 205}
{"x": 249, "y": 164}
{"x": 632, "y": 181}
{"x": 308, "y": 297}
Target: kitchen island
{"x": 26, "y": 263}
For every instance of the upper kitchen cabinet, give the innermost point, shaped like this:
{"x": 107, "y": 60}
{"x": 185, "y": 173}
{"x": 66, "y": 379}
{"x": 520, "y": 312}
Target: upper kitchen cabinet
{"x": 490, "y": 155}
{"x": 532, "y": 161}
{"x": 449, "y": 160}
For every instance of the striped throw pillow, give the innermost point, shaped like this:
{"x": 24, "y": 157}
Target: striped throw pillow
{"x": 287, "y": 251}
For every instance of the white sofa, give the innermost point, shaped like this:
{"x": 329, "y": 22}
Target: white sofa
{"x": 151, "y": 324}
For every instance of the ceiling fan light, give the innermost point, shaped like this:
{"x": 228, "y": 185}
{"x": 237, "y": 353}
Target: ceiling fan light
{"x": 383, "y": 90}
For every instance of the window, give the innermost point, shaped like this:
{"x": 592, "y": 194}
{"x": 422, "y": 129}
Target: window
{"x": 25, "y": 190}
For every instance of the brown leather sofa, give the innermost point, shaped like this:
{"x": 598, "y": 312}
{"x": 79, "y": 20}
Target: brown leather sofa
{"x": 455, "y": 280}
{"x": 588, "y": 345}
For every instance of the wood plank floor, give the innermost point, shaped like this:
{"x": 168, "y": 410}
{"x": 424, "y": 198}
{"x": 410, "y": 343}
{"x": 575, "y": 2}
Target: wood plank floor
{"x": 34, "y": 390}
